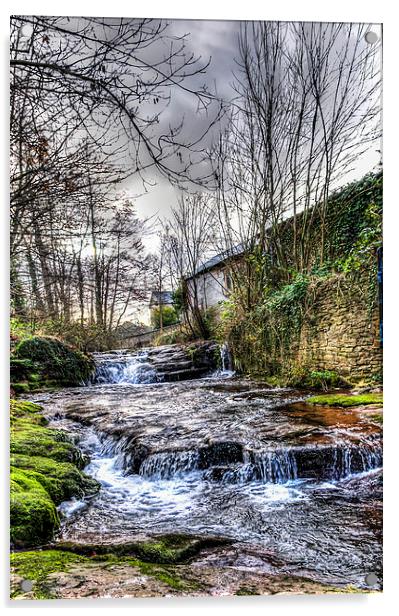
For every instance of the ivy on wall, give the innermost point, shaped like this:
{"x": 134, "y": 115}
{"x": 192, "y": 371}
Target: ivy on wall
{"x": 266, "y": 339}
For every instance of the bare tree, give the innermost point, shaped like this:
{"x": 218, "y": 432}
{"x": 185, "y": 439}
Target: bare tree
{"x": 307, "y": 107}
{"x": 191, "y": 239}
{"x": 112, "y": 80}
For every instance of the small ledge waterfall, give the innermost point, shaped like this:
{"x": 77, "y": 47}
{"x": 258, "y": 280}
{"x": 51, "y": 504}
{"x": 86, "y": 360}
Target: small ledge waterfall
{"x": 124, "y": 368}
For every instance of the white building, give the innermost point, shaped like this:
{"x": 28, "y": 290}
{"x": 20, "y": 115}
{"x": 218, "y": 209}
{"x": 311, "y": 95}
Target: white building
{"x": 212, "y": 280}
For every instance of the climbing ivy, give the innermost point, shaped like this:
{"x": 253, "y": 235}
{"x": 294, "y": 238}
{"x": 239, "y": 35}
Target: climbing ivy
{"x": 265, "y": 339}
{"x": 354, "y": 218}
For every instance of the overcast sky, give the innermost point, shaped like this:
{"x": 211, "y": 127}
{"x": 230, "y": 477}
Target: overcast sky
{"x": 218, "y": 41}
{"x": 214, "y": 40}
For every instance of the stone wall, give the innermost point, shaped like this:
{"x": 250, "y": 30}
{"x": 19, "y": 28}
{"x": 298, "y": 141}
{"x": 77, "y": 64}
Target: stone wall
{"x": 334, "y": 326}
{"x": 341, "y": 331}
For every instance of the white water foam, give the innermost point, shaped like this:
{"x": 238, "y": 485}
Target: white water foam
{"x": 133, "y": 369}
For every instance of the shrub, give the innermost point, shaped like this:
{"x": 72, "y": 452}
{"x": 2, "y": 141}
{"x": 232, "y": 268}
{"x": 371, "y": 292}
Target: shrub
{"x": 317, "y": 379}
{"x": 169, "y": 316}
{"x": 180, "y": 335}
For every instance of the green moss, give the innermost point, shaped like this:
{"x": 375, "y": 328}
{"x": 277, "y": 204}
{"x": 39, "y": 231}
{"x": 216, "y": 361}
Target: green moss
{"x": 33, "y": 516}
{"x": 35, "y": 440}
{"x": 37, "y": 565}
{"x": 51, "y": 359}
{"x": 61, "y": 479}
{"x": 245, "y": 591}
{"x": 20, "y": 369}
{"x": 168, "y": 549}
{"x": 21, "y": 388}
{"x": 25, "y": 409}
{"x": 33, "y": 377}
{"x": 346, "y": 400}
{"x": 44, "y": 472}
{"x": 165, "y": 549}
{"x": 167, "y": 575}
{"x": 377, "y": 417}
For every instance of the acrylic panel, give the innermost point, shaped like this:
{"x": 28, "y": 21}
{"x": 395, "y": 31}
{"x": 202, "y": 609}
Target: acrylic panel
{"x": 196, "y": 308}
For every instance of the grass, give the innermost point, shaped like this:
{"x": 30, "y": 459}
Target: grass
{"x": 346, "y": 400}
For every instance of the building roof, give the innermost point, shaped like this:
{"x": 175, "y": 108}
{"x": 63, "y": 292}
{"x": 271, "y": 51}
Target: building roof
{"x": 218, "y": 260}
{"x": 163, "y": 298}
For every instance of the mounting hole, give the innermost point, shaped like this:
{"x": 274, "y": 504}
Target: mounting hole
{"x": 371, "y": 37}
{"x": 26, "y": 585}
{"x": 371, "y": 579}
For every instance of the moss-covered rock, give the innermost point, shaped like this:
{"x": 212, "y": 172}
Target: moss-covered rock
{"x": 44, "y": 472}
{"x": 60, "y": 574}
{"x": 36, "y": 440}
{"x": 346, "y": 400}
{"x": 37, "y": 565}
{"x": 33, "y": 515}
{"x": 20, "y": 369}
{"x": 163, "y": 549}
{"x": 39, "y": 359}
{"x": 21, "y": 388}
{"x": 61, "y": 479}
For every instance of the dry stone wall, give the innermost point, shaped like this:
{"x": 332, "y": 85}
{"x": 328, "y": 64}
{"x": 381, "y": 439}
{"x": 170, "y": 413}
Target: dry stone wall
{"x": 341, "y": 331}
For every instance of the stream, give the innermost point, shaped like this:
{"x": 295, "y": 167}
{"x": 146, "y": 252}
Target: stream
{"x": 297, "y": 489}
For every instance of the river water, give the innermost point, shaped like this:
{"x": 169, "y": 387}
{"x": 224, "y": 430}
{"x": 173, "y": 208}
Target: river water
{"x": 296, "y": 489}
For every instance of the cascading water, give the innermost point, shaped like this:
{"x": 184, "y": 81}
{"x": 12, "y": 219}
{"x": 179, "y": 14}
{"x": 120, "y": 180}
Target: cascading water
{"x": 124, "y": 368}
{"x": 219, "y": 456}
{"x": 275, "y": 467}
{"x": 350, "y": 460}
{"x": 168, "y": 465}
{"x": 226, "y": 360}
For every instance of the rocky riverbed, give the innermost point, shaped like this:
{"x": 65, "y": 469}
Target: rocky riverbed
{"x": 292, "y": 492}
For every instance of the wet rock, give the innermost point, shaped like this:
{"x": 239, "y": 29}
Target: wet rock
{"x": 181, "y": 362}
{"x": 220, "y": 453}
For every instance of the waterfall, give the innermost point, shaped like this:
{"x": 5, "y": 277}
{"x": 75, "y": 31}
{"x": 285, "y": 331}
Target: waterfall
{"x": 226, "y": 360}
{"x": 168, "y": 464}
{"x": 278, "y": 466}
{"x": 125, "y": 368}
{"x": 349, "y": 460}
